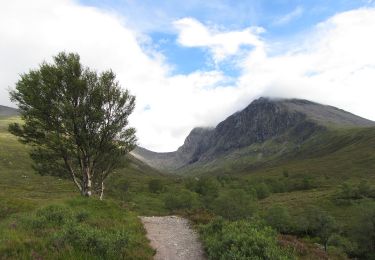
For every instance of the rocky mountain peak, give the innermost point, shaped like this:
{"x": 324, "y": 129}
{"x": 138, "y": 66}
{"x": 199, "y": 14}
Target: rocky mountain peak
{"x": 262, "y": 120}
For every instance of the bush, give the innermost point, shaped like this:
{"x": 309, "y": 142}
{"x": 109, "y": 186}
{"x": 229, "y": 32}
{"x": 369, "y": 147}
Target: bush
{"x": 82, "y": 216}
{"x": 277, "y": 186}
{"x": 350, "y": 192}
{"x": 79, "y": 229}
{"x": 262, "y": 191}
{"x": 155, "y": 186}
{"x": 241, "y": 240}
{"x": 93, "y": 240}
{"x": 182, "y": 199}
{"x": 343, "y": 243}
{"x": 206, "y": 187}
{"x": 362, "y": 229}
{"x": 234, "y": 204}
{"x": 320, "y": 224}
{"x": 55, "y": 214}
{"x": 308, "y": 183}
{"x": 278, "y": 217}
{"x": 49, "y": 216}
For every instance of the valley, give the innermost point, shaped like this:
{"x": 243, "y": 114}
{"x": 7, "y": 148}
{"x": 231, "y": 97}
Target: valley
{"x": 304, "y": 169}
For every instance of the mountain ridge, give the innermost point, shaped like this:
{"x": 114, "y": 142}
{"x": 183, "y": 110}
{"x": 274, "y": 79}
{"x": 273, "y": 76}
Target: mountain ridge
{"x": 8, "y": 111}
{"x": 263, "y": 120}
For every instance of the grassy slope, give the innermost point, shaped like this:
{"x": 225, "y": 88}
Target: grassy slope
{"x": 329, "y": 159}
{"x": 22, "y": 193}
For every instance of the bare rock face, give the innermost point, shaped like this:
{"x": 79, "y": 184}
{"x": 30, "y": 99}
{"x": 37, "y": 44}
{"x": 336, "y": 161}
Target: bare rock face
{"x": 196, "y": 142}
{"x": 262, "y": 120}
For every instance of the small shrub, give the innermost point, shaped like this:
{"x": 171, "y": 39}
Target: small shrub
{"x": 91, "y": 239}
{"x": 278, "y": 217}
{"x": 54, "y": 214}
{"x": 155, "y": 186}
{"x": 200, "y": 216}
{"x": 82, "y": 216}
{"x": 48, "y": 216}
{"x": 262, "y": 191}
{"x": 182, "y": 199}
{"x": 277, "y": 186}
{"x": 320, "y": 224}
{"x": 241, "y": 240}
{"x": 234, "y": 204}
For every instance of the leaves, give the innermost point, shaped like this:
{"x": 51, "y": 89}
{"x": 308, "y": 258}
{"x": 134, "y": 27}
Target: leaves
{"x": 74, "y": 118}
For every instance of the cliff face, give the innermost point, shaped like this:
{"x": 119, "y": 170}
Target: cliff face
{"x": 258, "y": 122}
{"x": 264, "y": 119}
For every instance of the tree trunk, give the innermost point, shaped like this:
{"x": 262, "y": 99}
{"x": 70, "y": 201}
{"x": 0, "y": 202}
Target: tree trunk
{"x": 102, "y": 191}
{"x": 89, "y": 184}
{"x": 74, "y": 177}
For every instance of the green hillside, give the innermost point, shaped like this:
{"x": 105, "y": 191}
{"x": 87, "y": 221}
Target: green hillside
{"x": 332, "y": 174}
{"x": 32, "y": 206}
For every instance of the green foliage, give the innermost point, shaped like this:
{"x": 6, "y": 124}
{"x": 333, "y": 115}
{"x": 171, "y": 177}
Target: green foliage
{"x": 241, "y": 240}
{"x": 342, "y": 243}
{"x": 75, "y": 120}
{"x": 22, "y": 192}
{"x": 90, "y": 239}
{"x": 279, "y": 218}
{"x": 307, "y": 183}
{"x": 206, "y": 187}
{"x": 77, "y": 229}
{"x": 362, "y": 229}
{"x": 234, "y": 204}
{"x": 155, "y": 186}
{"x": 262, "y": 191}
{"x": 319, "y": 223}
{"x": 181, "y": 199}
{"x": 349, "y": 192}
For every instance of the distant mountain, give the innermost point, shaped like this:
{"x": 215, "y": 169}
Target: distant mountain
{"x": 264, "y": 129}
{"x": 8, "y": 111}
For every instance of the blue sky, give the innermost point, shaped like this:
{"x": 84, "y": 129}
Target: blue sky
{"x": 281, "y": 19}
{"x": 194, "y": 63}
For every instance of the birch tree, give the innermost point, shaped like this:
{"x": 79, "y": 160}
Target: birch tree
{"x": 75, "y": 120}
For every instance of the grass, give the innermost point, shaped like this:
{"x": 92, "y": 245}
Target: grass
{"x": 326, "y": 162}
{"x": 30, "y": 205}
{"x": 77, "y": 228}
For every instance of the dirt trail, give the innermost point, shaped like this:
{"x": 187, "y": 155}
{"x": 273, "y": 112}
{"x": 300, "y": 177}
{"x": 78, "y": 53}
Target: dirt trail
{"x": 173, "y": 239}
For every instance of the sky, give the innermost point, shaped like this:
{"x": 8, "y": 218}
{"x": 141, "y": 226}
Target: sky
{"x": 194, "y": 63}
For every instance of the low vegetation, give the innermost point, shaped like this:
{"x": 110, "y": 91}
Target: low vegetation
{"x": 75, "y": 229}
{"x": 242, "y": 239}
{"x": 298, "y": 208}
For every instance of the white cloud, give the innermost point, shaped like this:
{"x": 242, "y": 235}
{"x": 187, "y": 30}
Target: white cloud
{"x": 168, "y": 107}
{"x": 335, "y": 64}
{"x": 192, "y": 33}
{"x": 296, "y": 13}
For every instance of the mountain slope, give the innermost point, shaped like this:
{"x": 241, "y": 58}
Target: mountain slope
{"x": 265, "y": 129}
{"x": 8, "y": 111}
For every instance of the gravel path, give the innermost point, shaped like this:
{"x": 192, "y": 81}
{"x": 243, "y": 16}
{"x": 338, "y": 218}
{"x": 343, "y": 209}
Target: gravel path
{"x": 172, "y": 238}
